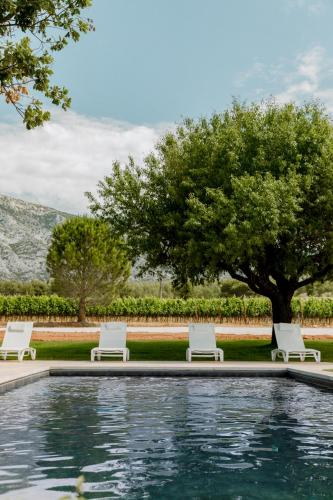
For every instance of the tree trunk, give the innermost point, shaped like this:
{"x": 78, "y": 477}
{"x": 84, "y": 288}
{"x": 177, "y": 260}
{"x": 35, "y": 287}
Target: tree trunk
{"x": 82, "y": 310}
{"x": 281, "y": 309}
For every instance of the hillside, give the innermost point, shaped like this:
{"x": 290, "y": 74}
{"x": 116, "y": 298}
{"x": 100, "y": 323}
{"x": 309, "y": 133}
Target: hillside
{"x": 25, "y": 231}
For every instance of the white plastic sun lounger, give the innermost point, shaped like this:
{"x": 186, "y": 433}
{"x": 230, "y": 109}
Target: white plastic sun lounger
{"x": 290, "y": 343}
{"x": 112, "y": 342}
{"x": 16, "y": 341}
{"x": 203, "y": 342}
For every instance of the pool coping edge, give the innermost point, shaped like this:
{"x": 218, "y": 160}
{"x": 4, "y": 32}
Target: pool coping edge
{"x": 166, "y": 372}
{"x": 317, "y": 379}
{"x": 21, "y": 381}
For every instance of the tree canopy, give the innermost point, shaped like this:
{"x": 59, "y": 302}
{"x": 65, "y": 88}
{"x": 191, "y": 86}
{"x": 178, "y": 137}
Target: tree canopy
{"x": 248, "y": 192}
{"x": 30, "y": 32}
{"x": 86, "y": 262}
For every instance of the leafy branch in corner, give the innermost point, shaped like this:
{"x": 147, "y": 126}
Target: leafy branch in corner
{"x": 30, "y": 32}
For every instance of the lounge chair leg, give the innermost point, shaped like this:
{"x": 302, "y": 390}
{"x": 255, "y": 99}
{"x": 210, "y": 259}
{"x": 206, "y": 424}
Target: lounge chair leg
{"x": 285, "y": 357}
{"x": 92, "y": 357}
{"x": 124, "y": 356}
{"x": 33, "y": 354}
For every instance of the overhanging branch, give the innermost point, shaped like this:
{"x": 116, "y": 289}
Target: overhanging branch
{"x": 316, "y": 276}
{"x": 244, "y": 279}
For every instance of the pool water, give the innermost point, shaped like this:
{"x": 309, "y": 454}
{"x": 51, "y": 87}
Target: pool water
{"x": 167, "y": 438}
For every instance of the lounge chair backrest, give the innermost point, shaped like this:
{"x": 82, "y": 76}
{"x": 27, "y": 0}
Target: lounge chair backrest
{"x": 289, "y": 337}
{"x": 17, "y": 335}
{"x": 202, "y": 336}
{"x": 113, "y": 335}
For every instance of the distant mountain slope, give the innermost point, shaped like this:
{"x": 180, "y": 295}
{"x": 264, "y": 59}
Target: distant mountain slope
{"x": 25, "y": 231}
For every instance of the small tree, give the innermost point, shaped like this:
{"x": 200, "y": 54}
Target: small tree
{"x": 86, "y": 262}
{"x": 248, "y": 192}
{"x": 30, "y": 32}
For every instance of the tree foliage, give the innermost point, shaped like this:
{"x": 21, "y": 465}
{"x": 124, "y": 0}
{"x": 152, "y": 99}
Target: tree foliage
{"x": 34, "y": 288}
{"x": 249, "y": 192}
{"x": 30, "y": 32}
{"x": 214, "y": 290}
{"x": 86, "y": 262}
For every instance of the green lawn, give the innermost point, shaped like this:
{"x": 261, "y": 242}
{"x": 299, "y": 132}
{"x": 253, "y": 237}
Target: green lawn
{"x": 172, "y": 350}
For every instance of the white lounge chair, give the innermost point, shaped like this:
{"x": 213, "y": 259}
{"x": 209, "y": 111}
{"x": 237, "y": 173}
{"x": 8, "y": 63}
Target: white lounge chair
{"x": 16, "y": 341}
{"x": 290, "y": 344}
{"x": 203, "y": 342}
{"x": 112, "y": 342}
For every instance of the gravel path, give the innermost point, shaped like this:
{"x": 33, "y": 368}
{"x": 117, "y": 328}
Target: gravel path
{"x": 158, "y": 330}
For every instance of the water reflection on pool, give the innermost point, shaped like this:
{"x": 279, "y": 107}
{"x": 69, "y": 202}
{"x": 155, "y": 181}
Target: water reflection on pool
{"x": 230, "y": 438}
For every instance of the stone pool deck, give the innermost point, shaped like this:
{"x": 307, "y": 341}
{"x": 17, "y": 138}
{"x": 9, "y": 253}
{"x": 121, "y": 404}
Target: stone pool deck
{"x": 14, "y": 374}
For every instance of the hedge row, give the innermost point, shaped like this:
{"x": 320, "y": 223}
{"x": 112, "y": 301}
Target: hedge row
{"x": 153, "y": 307}
{"x": 44, "y": 305}
{"x": 233, "y": 307}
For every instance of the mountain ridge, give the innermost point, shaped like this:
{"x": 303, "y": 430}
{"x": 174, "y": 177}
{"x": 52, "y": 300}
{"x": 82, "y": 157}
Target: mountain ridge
{"x": 25, "y": 233}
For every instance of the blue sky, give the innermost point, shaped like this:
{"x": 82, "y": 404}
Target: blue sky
{"x": 149, "y": 64}
{"x": 153, "y": 61}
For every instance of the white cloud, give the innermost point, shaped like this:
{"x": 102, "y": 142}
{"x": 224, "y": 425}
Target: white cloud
{"x": 309, "y": 75}
{"x": 310, "y": 79}
{"x": 310, "y": 64}
{"x": 267, "y": 73}
{"x": 311, "y": 6}
{"x": 54, "y": 165}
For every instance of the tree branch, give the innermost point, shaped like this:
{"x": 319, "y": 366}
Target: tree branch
{"x": 5, "y": 19}
{"x": 316, "y": 276}
{"x": 244, "y": 279}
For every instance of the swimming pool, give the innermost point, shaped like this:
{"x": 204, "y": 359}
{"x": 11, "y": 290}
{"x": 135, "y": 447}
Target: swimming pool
{"x": 168, "y": 438}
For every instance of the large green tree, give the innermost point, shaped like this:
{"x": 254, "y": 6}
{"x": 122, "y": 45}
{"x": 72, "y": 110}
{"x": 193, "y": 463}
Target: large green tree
{"x": 248, "y": 192}
{"x": 86, "y": 262}
{"x": 30, "y": 32}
